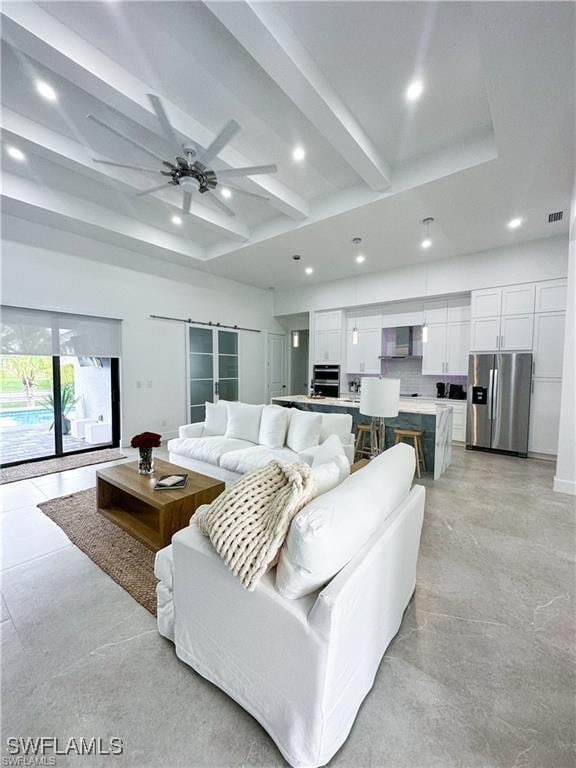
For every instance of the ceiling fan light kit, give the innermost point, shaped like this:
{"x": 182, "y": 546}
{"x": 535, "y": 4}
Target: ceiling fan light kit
{"x": 191, "y": 169}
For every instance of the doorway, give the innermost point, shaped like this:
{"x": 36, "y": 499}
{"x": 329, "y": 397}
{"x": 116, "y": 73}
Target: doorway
{"x": 299, "y": 378}
{"x": 276, "y": 366}
{"x": 213, "y": 365}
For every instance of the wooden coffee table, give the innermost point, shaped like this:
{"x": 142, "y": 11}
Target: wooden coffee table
{"x": 129, "y": 500}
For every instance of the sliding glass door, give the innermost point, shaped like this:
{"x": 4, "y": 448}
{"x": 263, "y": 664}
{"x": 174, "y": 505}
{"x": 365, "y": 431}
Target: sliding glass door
{"x": 213, "y": 368}
{"x": 59, "y": 403}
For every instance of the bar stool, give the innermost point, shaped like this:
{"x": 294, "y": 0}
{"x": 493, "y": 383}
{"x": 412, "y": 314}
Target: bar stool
{"x": 361, "y": 449}
{"x": 416, "y": 436}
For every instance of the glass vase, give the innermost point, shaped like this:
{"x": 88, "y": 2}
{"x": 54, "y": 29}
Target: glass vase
{"x": 145, "y": 461}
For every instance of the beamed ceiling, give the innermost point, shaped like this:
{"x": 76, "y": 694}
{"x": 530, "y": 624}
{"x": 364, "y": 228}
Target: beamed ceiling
{"x": 490, "y": 139}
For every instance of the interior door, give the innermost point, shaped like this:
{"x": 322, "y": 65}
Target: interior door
{"x": 276, "y": 365}
{"x": 201, "y": 367}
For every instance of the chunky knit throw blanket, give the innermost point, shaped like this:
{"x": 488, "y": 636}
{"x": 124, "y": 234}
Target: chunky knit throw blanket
{"x": 248, "y": 522}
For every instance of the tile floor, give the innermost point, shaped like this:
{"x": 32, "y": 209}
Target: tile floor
{"x": 480, "y": 674}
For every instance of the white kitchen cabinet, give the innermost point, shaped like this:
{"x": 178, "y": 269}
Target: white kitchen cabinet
{"x": 364, "y": 357}
{"x": 544, "y": 416}
{"x": 516, "y": 333}
{"x": 328, "y": 346}
{"x": 484, "y": 334}
{"x": 549, "y": 344}
{"x": 435, "y": 312}
{"x": 328, "y": 321}
{"x": 434, "y": 350}
{"x": 551, "y": 296}
{"x": 486, "y": 303}
{"x": 518, "y": 299}
{"x": 458, "y": 309}
{"x": 457, "y": 348}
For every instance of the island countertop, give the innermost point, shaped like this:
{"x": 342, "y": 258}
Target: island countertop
{"x": 407, "y": 404}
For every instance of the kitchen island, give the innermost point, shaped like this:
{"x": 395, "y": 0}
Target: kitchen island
{"x": 433, "y": 419}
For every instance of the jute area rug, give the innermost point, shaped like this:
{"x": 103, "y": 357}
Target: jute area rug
{"x": 39, "y": 468}
{"x": 124, "y": 559}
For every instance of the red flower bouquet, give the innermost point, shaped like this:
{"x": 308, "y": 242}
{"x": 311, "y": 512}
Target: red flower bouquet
{"x": 146, "y": 440}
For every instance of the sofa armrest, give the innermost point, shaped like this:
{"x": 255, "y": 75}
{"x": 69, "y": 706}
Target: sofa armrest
{"x": 191, "y": 430}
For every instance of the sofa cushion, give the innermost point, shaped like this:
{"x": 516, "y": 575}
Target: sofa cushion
{"x": 164, "y": 566}
{"x": 304, "y": 429}
{"x": 216, "y": 418}
{"x": 244, "y": 421}
{"x": 327, "y": 533}
{"x": 326, "y": 476}
{"x": 336, "y": 424}
{"x": 255, "y": 457}
{"x": 208, "y": 449}
{"x": 330, "y": 451}
{"x": 273, "y": 426}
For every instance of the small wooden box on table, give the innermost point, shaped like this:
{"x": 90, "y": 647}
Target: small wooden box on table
{"x": 153, "y": 517}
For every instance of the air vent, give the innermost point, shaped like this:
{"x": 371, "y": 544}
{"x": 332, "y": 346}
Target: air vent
{"x": 552, "y": 217}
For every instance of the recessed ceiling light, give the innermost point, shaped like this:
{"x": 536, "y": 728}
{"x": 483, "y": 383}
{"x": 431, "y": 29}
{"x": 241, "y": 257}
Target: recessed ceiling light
{"x": 298, "y": 153}
{"x": 16, "y": 154}
{"x": 225, "y": 192}
{"x": 414, "y": 90}
{"x": 46, "y": 91}
{"x": 176, "y": 220}
{"x": 514, "y": 223}
{"x": 426, "y": 243}
{"x": 309, "y": 271}
{"x": 360, "y": 259}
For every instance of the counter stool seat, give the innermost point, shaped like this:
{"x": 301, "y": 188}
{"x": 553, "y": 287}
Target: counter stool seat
{"x": 361, "y": 448}
{"x": 415, "y": 435}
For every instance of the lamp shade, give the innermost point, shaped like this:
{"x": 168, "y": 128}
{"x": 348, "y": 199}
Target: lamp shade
{"x": 380, "y": 397}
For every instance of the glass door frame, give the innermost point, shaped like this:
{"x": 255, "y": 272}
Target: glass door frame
{"x": 215, "y": 353}
{"x": 58, "y": 435}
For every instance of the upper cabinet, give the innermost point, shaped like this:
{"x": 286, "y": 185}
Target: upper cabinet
{"x": 549, "y": 344}
{"x": 486, "y": 303}
{"x": 364, "y": 355}
{"x": 517, "y": 300}
{"x": 328, "y": 337}
{"x": 502, "y": 319}
{"x": 447, "y": 337}
{"x": 551, "y": 296}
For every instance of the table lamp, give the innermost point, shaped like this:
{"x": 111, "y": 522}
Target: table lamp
{"x": 379, "y": 398}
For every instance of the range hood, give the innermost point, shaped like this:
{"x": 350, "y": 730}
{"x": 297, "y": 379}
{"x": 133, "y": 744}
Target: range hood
{"x": 401, "y": 342}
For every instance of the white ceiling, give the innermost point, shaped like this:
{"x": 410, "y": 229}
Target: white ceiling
{"x": 491, "y": 137}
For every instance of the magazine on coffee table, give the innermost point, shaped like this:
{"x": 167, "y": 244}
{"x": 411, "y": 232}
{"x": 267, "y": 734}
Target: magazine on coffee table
{"x": 171, "y": 482}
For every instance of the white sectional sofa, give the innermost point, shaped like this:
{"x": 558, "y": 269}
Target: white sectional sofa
{"x": 301, "y": 651}
{"x": 238, "y": 437}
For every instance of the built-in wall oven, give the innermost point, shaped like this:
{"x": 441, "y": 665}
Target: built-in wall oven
{"x": 326, "y": 380}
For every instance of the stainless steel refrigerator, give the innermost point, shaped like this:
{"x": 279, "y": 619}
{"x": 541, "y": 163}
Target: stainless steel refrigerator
{"x": 499, "y": 402}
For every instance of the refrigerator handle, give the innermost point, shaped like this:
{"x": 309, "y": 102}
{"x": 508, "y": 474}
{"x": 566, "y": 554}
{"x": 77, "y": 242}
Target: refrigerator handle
{"x": 495, "y": 395}
{"x": 489, "y": 398}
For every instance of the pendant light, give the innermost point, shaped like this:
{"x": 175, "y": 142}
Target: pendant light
{"x": 356, "y": 242}
{"x": 354, "y": 335}
{"x": 427, "y": 242}
{"x": 295, "y": 339}
{"x": 427, "y": 223}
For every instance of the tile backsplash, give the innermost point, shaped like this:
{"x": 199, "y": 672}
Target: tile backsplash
{"x": 409, "y": 371}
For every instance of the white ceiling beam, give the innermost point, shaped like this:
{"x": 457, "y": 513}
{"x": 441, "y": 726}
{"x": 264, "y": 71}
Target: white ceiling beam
{"x": 27, "y": 199}
{"x": 29, "y": 28}
{"x": 65, "y": 151}
{"x": 264, "y": 34}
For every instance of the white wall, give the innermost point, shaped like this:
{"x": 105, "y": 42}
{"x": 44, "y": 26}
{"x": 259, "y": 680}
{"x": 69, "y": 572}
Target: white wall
{"x": 565, "y": 479}
{"x": 536, "y": 260}
{"x": 152, "y": 350}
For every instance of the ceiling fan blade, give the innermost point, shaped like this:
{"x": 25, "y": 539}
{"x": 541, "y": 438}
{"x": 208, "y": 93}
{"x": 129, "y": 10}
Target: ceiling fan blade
{"x": 252, "y": 170}
{"x": 236, "y": 188}
{"x": 122, "y": 135}
{"x": 124, "y": 165}
{"x": 165, "y": 124}
{"x": 223, "y": 207}
{"x": 186, "y": 202}
{"x": 217, "y": 145}
{"x": 152, "y": 189}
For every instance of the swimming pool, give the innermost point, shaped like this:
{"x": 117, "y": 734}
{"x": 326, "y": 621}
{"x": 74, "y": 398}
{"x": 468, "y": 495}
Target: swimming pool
{"x": 26, "y": 416}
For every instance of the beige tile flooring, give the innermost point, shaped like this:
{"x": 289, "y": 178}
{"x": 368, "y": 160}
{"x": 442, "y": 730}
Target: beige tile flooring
{"x": 480, "y": 674}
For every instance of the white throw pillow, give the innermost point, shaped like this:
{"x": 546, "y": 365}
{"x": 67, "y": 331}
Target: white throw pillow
{"x": 336, "y": 424}
{"x": 329, "y": 531}
{"x": 244, "y": 421}
{"x": 216, "y": 418}
{"x": 326, "y": 476}
{"x": 304, "y": 429}
{"x": 329, "y": 452}
{"x": 273, "y": 426}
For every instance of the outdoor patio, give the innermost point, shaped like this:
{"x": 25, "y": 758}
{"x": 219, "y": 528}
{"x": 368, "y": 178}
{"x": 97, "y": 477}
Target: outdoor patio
{"x": 21, "y": 443}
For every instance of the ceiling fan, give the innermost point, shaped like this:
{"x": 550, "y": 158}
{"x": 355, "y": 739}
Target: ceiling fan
{"x": 191, "y": 169}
